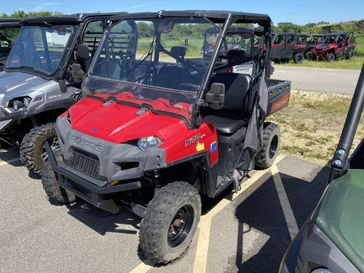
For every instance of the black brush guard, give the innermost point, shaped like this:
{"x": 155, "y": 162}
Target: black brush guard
{"x": 85, "y": 189}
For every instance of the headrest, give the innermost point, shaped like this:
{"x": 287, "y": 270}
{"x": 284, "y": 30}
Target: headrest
{"x": 236, "y": 55}
{"x": 178, "y": 51}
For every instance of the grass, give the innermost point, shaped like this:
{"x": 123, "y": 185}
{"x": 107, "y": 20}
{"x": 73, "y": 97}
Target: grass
{"x": 359, "y": 49}
{"x": 194, "y": 45}
{"x": 355, "y": 63}
{"x": 312, "y": 123}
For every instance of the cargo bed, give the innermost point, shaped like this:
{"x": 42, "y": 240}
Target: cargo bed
{"x": 279, "y": 94}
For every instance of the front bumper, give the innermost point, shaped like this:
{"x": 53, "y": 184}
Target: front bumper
{"x": 85, "y": 188}
{"x": 312, "y": 249}
{"x": 4, "y": 115}
{"x": 7, "y": 118}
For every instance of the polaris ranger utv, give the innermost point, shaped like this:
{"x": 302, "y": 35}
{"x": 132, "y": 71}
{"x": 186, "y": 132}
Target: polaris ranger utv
{"x": 332, "y": 239}
{"x": 286, "y": 47}
{"x": 335, "y": 45}
{"x": 163, "y": 123}
{"x": 9, "y": 29}
{"x": 312, "y": 41}
{"x": 42, "y": 79}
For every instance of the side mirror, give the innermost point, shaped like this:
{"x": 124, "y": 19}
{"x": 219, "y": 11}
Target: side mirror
{"x": 83, "y": 53}
{"x": 215, "y": 98}
{"x": 77, "y": 72}
{"x": 62, "y": 86}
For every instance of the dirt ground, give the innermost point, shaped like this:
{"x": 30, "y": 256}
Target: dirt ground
{"x": 312, "y": 124}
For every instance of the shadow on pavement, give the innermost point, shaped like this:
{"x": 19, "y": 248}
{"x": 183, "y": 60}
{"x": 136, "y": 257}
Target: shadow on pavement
{"x": 102, "y": 221}
{"x": 10, "y": 155}
{"x": 262, "y": 211}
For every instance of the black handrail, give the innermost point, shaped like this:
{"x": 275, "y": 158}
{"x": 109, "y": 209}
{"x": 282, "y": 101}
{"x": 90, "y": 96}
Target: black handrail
{"x": 340, "y": 160}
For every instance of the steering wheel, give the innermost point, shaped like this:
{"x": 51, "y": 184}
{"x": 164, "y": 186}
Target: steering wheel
{"x": 125, "y": 57}
{"x": 125, "y": 63}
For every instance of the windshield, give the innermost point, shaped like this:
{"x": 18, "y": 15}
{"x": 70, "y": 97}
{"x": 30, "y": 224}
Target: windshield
{"x": 302, "y": 39}
{"x": 40, "y": 48}
{"x": 330, "y": 39}
{"x": 314, "y": 39}
{"x": 152, "y": 59}
{"x": 278, "y": 39}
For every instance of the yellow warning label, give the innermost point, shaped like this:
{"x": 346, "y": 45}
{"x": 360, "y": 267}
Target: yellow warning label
{"x": 200, "y": 146}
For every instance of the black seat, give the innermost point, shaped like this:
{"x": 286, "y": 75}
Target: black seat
{"x": 171, "y": 76}
{"x": 237, "y": 56}
{"x": 225, "y": 125}
{"x": 237, "y": 106}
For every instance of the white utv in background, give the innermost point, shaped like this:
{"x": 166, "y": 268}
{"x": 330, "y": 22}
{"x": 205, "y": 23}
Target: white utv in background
{"x": 42, "y": 78}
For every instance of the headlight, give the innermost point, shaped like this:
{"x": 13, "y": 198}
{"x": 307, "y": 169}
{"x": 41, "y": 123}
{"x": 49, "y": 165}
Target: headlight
{"x": 321, "y": 270}
{"x": 27, "y": 101}
{"x": 17, "y": 104}
{"x": 20, "y": 103}
{"x": 148, "y": 142}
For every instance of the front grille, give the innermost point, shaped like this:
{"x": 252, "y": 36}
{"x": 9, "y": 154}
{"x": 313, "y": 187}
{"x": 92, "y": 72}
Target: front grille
{"x": 85, "y": 163}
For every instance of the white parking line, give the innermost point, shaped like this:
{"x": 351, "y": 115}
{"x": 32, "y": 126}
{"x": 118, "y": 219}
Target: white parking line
{"x": 141, "y": 268}
{"x": 285, "y": 205}
{"x": 247, "y": 188}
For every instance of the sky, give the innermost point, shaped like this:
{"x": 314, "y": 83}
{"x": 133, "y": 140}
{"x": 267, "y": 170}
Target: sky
{"x": 299, "y": 12}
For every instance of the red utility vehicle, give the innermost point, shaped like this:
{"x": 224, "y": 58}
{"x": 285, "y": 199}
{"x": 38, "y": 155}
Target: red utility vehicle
{"x": 335, "y": 45}
{"x": 312, "y": 40}
{"x": 288, "y": 46}
{"x": 163, "y": 123}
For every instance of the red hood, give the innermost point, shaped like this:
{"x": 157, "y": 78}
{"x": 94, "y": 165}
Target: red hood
{"x": 119, "y": 123}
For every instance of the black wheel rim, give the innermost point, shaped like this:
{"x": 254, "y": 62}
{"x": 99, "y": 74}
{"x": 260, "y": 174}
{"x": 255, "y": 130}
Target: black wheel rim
{"x": 54, "y": 146}
{"x": 180, "y": 226}
{"x": 273, "y": 147}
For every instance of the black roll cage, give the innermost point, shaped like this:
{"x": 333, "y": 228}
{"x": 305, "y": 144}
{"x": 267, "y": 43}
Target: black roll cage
{"x": 227, "y": 18}
{"x": 76, "y": 20}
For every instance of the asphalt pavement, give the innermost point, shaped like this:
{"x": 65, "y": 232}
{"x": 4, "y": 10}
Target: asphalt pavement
{"x": 245, "y": 232}
{"x": 318, "y": 79}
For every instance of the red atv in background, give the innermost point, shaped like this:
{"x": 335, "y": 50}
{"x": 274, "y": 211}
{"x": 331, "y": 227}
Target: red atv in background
{"x": 312, "y": 40}
{"x": 164, "y": 123}
{"x": 288, "y": 46}
{"x": 335, "y": 45}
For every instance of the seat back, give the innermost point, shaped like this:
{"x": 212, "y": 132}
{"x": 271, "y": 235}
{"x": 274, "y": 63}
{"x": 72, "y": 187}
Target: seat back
{"x": 171, "y": 76}
{"x": 239, "y": 98}
{"x": 237, "y": 56}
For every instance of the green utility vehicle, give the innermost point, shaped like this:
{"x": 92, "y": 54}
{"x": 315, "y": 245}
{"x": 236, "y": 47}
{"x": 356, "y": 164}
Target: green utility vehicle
{"x": 332, "y": 239}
